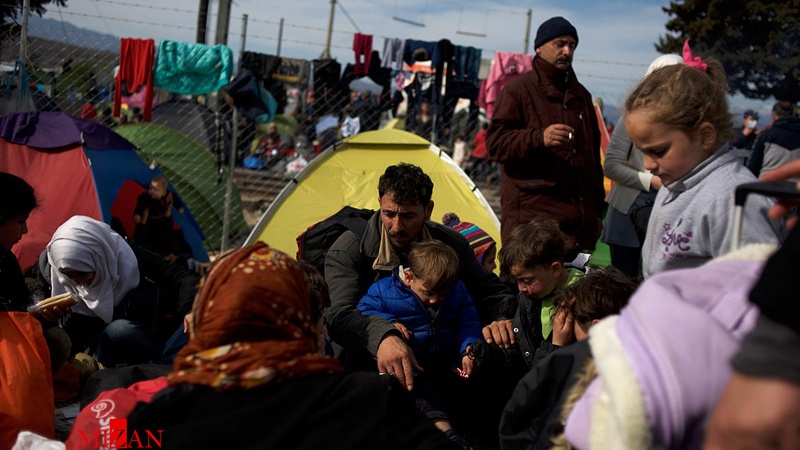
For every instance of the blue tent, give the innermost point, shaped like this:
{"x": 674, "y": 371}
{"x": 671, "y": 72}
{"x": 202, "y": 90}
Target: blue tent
{"x": 78, "y": 167}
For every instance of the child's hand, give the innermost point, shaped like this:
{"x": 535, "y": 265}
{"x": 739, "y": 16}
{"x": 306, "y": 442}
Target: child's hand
{"x": 403, "y": 330}
{"x": 563, "y": 327}
{"x": 466, "y": 366}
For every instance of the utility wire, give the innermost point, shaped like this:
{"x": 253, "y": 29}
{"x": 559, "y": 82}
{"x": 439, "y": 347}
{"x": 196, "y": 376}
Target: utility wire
{"x": 97, "y": 8}
{"x": 352, "y": 22}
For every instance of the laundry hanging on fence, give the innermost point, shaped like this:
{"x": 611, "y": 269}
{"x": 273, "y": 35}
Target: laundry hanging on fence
{"x": 292, "y": 70}
{"x": 135, "y": 70}
{"x": 265, "y": 68}
{"x": 467, "y": 63}
{"x": 362, "y": 46}
{"x": 506, "y": 67}
{"x": 192, "y": 69}
{"x": 392, "y": 57}
{"x": 251, "y": 97}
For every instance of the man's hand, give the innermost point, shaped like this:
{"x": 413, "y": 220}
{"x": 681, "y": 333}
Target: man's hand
{"x": 500, "y": 332}
{"x": 396, "y": 358}
{"x": 783, "y": 207}
{"x": 403, "y": 330}
{"x": 755, "y": 413}
{"x": 563, "y": 327}
{"x": 558, "y": 135}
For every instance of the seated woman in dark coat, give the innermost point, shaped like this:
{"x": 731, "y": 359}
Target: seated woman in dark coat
{"x": 18, "y": 203}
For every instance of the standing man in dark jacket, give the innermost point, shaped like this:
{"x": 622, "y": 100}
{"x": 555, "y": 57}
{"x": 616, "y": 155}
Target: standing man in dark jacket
{"x": 778, "y": 145}
{"x": 354, "y": 262}
{"x": 544, "y": 134}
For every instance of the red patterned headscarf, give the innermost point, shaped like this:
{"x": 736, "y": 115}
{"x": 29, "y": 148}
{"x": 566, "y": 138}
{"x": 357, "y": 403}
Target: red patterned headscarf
{"x": 251, "y": 324}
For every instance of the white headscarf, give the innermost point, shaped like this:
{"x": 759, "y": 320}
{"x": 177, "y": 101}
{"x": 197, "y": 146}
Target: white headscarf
{"x": 663, "y": 61}
{"x": 87, "y": 245}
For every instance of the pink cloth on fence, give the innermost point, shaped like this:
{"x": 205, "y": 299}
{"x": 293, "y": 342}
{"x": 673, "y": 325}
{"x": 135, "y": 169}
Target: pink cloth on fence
{"x": 506, "y": 67}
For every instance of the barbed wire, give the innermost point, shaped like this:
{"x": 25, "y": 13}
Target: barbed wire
{"x": 140, "y": 22}
{"x": 294, "y": 41}
{"x": 62, "y": 12}
{"x": 139, "y": 5}
{"x": 615, "y": 63}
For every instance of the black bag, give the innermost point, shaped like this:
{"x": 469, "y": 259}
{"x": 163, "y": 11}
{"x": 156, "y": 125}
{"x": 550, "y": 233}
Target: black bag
{"x": 640, "y": 216}
{"x": 313, "y": 244}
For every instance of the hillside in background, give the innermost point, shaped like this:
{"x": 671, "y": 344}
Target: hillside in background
{"x": 66, "y": 33}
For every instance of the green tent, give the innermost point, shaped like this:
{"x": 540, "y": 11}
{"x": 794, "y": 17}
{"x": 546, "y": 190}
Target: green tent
{"x": 191, "y": 169}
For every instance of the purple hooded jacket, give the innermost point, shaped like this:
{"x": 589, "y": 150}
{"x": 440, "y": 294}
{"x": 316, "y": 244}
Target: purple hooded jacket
{"x": 664, "y": 361}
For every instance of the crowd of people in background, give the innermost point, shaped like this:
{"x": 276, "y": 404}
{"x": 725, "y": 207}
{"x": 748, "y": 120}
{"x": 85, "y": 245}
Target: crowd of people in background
{"x": 421, "y": 334}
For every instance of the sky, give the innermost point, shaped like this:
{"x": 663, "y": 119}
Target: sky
{"x": 616, "y": 37}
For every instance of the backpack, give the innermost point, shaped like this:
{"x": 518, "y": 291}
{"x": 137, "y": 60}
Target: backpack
{"x": 313, "y": 244}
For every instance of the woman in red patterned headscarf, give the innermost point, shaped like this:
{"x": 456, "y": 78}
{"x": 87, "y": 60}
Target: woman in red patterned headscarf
{"x": 276, "y": 337}
{"x": 253, "y": 374}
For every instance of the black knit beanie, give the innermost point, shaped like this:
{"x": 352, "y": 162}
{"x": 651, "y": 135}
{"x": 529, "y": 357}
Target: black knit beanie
{"x": 553, "y": 28}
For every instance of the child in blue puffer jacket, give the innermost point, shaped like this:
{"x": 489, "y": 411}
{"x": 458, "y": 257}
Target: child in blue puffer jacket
{"x": 428, "y": 305}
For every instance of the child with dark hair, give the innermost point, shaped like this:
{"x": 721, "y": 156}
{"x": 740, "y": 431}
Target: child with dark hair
{"x": 598, "y": 294}
{"x": 153, "y": 216}
{"x": 526, "y": 421}
{"x": 533, "y": 258}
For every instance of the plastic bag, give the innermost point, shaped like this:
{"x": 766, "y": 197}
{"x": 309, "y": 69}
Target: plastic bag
{"x": 296, "y": 166}
{"x": 26, "y": 380}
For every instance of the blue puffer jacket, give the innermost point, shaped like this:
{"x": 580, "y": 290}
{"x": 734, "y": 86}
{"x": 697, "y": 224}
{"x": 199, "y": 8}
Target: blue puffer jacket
{"x": 446, "y": 334}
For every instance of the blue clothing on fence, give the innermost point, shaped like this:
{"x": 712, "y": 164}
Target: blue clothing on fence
{"x": 448, "y": 332}
{"x": 467, "y": 63}
{"x": 431, "y": 51}
{"x": 192, "y": 69}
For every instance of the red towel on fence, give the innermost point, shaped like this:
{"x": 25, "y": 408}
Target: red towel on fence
{"x": 362, "y": 45}
{"x": 135, "y": 70}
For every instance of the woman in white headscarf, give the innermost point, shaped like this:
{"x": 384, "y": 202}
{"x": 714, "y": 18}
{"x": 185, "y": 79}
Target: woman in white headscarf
{"x": 93, "y": 262}
{"x": 130, "y": 301}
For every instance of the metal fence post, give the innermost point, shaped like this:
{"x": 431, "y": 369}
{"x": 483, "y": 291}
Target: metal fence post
{"x": 232, "y": 156}
{"x": 23, "y": 42}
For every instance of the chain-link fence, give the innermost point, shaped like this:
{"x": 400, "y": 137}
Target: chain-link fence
{"x": 191, "y": 138}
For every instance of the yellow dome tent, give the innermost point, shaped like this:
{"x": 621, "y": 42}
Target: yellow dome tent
{"x": 348, "y": 173}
